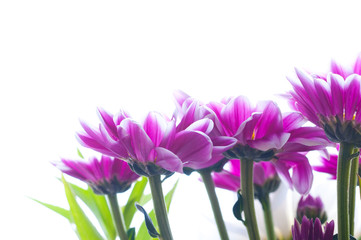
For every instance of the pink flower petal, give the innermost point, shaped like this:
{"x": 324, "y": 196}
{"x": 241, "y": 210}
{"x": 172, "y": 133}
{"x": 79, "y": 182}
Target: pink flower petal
{"x": 142, "y": 145}
{"x": 192, "y": 147}
{"x": 168, "y": 160}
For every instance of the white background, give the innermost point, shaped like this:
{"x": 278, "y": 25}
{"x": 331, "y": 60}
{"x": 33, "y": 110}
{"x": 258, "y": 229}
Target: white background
{"x": 59, "y": 60}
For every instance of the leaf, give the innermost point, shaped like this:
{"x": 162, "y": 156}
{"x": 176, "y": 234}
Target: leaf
{"x": 131, "y": 234}
{"x": 79, "y": 153}
{"x": 99, "y": 206}
{"x": 238, "y": 208}
{"x": 135, "y": 196}
{"x": 61, "y": 211}
{"x": 169, "y": 196}
{"x": 84, "y": 227}
{"x": 148, "y": 222}
{"x": 145, "y": 198}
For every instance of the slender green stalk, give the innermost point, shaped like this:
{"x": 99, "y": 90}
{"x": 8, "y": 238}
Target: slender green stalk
{"x": 248, "y": 198}
{"x": 159, "y": 207}
{"x": 117, "y": 217}
{"x": 209, "y": 184}
{"x": 267, "y": 213}
{"x": 343, "y": 180}
{"x": 352, "y": 190}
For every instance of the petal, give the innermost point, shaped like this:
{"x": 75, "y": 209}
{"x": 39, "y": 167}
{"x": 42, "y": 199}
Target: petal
{"x": 317, "y": 229}
{"x": 155, "y": 125}
{"x": 337, "y": 69}
{"x": 282, "y": 168}
{"x": 352, "y": 95}
{"x": 168, "y": 160}
{"x": 324, "y": 92}
{"x": 222, "y": 144}
{"x": 192, "y": 147}
{"x": 141, "y": 144}
{"x": 293, "y": 121}
{"x": 337, "y": 92}
{"x": 235, "y": 113}
{"x": 180, "y": 97}
{"x": 270, "y": 121}
{"x": 275, "y": 141}
{"x": 307, "y": 82}
{"x": 329, "y": 228}
{"x": 357, "y": 66}
{"x": 108, "y": 122}
{"x": 227, "y": 181}
{"x": 247, "y": 128}
{"x": 204, "y": 125}
{"x": 302, "y": 176}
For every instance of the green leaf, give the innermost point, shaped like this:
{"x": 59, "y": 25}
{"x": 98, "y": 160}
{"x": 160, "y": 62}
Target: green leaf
{"x": 169, "y": 196}
{"x": 84, "y": 227}
{"x": 61, "y": 211}
{"x": 143, "y": 232}
{"x": 131, "y": 234}
{"x": 135, "y": 196}
{"x": 99, "y": 206}
{"x": 79, "y": 153}
{"x": 145, "y": 198}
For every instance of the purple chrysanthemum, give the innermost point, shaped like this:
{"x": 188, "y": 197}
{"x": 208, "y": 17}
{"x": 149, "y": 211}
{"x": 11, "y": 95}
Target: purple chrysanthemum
{"x": 105, "y": 176}
{"x": 332, "y": 103}
{"x": 265, "y": 177}
{"x": 191, "y": 112}
{"x": 263, "y": 133}
{"x": 311, "y": 229}
{"x": 312, "y": 208}
{"x": 151, "y": 148}
{"x": 329, "y": 164}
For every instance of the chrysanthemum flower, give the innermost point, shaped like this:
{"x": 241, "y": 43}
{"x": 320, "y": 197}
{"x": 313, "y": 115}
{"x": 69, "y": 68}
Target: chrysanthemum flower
{"x": 153, "y": 148}
{"x": 312, "y": 208}
{"x": 265, "y": 177}
{"x": 329, "y": 164}
{"x": 264, "y": 134}
{"x": 191, "y": 113}
{"x": 331, "y": 103}
{"x": 105, "y": 176}
{"x": 312, "y": 230}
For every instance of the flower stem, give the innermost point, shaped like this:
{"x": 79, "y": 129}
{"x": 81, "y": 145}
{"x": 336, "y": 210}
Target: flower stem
{"x": 159, "y": 207}
{"x": 343, "y": 180}
{"x": 209, "y": 184}
{"x": 248, "y": 198}
{"x": 266, "y": 206}
{"x": 117, "y": 216}
{"x": 352, "y": 191}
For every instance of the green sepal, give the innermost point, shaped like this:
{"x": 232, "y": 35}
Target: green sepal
{"x": 238, "y": 208}
{"x": 148, "y": 222}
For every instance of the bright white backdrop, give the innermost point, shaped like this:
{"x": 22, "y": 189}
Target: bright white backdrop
{"x": 59, "y": 60}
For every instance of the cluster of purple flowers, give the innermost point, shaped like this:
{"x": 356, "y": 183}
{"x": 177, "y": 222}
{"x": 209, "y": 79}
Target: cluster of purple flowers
{"x": 212, "y": 137}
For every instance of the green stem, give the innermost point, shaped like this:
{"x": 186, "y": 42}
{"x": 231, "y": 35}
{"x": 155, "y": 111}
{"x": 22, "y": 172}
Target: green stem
{"x": 117, "y": 216}
{"x": 343, "y": 180}
{"x": 159, "y": 207}
{"x": 266, "y": 205}
{"x": 209, "y": 184}
{"x": 352, "y": 190}
{"x": 248, "y": 198}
